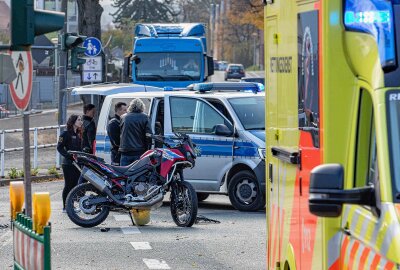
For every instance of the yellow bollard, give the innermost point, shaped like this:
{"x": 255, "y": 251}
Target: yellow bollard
{"x": 41, "y": 210}
{"x": 17, "y": 197}
{"x": 141, "y": 216}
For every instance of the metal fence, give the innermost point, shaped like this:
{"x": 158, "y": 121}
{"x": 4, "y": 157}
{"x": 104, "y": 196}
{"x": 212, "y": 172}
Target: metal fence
{"x": 44, "y": 95}
{"x": 35, "y": 146}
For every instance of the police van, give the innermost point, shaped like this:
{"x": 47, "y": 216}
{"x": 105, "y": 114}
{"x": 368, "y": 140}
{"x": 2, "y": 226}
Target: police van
{"x": 225, "y": 121}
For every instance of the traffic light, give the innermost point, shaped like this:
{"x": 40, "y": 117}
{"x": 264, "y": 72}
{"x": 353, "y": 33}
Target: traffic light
{"x": 75, "y": 57}
{"x": 26, "y": 23}
{"x": 71, "y": 41}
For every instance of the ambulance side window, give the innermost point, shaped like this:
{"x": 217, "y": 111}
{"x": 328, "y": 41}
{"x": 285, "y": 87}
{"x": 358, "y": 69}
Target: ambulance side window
{"x": 366, "y": 157}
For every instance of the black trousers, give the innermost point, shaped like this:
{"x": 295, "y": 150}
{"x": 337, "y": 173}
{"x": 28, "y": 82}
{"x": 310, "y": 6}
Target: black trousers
{"x": 71, "y": 176}
{"x": 115, "y": 157}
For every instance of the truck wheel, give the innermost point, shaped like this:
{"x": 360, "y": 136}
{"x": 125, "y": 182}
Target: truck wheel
{"x": 245, "y": 193}
{"x": 202, "y": 196}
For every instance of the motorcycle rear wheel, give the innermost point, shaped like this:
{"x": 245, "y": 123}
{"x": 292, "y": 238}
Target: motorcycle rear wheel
{"x": 76, "y": 200}
{"x": 183, "y": 204}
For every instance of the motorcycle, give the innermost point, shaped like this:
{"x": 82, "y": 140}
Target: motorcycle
{"x": 141, "y": 185}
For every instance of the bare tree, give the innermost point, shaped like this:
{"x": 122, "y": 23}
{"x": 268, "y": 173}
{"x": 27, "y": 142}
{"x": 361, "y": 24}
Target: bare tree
{"x": 151, "y": 11}
{"x": 89, "y": 13}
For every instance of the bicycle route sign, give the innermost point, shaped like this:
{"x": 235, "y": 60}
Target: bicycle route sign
{"x": 21, "y": 86}
{"x": 93, "y": 69}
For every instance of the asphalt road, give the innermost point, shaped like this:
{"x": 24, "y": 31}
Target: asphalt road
{"x": 237, "y": 242}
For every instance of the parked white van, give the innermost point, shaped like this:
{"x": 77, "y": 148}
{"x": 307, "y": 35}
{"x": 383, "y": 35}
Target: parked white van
{"x": 225, "y": 120}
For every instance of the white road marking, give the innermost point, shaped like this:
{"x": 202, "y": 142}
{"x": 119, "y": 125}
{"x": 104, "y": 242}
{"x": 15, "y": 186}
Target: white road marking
{"x": 156, "y": 264}
{"x": 122, "y": 218}
{"x": 130, "y": 230}
{"x": 141, "y": 245}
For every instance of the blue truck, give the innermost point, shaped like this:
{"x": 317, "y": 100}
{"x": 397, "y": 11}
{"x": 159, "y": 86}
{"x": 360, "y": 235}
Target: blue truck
{"x": 170, "y": 55}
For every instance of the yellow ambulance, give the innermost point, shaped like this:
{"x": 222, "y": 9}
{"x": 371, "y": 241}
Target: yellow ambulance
{"x": 333, "y": 134}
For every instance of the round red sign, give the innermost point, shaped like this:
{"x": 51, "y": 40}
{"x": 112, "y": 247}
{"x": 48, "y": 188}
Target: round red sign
{"x": 21, "y": 87}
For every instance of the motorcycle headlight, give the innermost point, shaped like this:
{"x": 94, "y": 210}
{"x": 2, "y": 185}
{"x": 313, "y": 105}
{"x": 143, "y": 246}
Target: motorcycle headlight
{"x": 261, "y": 152}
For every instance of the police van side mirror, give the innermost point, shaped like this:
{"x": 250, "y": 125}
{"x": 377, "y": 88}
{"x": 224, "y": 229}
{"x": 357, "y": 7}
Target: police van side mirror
{"x": 327, "y": 195}
{"x": 222, "y": 130}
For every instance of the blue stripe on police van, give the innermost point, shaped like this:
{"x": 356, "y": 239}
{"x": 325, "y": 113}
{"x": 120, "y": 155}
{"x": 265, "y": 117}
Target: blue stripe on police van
{"x": 207, "y": 147}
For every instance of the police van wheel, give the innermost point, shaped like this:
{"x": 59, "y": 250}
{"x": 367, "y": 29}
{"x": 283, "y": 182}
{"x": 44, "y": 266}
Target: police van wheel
{"x": 202, "y": 196}
{"x": 245, "y": 193}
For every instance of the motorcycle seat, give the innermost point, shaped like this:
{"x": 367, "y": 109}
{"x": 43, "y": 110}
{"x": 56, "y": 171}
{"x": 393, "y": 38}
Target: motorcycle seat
{"x": 134, "y": 167}
{"x": 120, "y": 169}
{"x": 123, "y": 169}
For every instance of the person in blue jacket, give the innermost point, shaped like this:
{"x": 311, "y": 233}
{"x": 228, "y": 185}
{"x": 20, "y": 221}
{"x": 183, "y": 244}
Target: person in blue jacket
{"x": 70, "y": 140}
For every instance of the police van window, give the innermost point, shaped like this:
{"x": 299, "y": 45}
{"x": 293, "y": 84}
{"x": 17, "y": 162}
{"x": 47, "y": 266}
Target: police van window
{"x": 111, "y": 113}
{"x": 220, "y": 107}
{"x": 365, "y": 146}
{"x": 250, "y": 111}
{"x": 194, "y": 116}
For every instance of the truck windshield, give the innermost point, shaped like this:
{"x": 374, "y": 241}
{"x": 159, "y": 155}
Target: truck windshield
{"x": 168, "y": 67}
{"x": 250, "y": 111}
{"x": 393, "y": 112}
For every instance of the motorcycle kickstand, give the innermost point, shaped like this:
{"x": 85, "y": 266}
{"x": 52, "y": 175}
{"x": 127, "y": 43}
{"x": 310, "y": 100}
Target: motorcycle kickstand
{"x": 130, "y": 215}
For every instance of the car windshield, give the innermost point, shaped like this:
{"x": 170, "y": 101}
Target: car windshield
{"x": 168, "y": 67}
{"x": 250, "y": 111}
{"x": 393, "y": 111}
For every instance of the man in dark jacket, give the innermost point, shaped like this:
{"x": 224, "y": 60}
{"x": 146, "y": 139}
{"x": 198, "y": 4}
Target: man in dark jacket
{"x": 134, "y": 126}
{"x": 89, "y": 128}
{"x": 114, "y": 132}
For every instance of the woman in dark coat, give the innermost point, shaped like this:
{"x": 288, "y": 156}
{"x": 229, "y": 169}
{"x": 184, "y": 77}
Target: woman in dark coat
{"x": 70, "y": 140}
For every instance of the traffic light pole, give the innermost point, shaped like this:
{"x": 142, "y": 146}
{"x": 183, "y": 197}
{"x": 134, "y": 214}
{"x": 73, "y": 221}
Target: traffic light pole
{"x": 27, "y": 165}
{"x": 62, "y": 83}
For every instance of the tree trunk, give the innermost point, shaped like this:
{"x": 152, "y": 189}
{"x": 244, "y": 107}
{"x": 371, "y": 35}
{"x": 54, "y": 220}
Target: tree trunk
{"x": 89, "y": 18}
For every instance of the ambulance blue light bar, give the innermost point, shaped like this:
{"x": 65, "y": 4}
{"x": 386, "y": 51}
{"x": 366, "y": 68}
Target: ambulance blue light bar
{"x": 227, "y": 86}
{"x": 376, "y": 18}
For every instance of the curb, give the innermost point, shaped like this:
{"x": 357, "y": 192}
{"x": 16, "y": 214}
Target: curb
{"x": 34, "y": 179}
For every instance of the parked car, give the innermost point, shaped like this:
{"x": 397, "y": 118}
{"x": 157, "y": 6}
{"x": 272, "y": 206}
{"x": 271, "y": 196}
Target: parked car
{"x": 222, "y": 65}
{"x": 216, "y": 65}
{"x": 227, "y": 124}
{"x": 234, "y": 71}
{"x": 254, "y": 79}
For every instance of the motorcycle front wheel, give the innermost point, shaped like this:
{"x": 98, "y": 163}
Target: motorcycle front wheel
{"x": 183, "y": 204}
{"x": 80, "y": 211}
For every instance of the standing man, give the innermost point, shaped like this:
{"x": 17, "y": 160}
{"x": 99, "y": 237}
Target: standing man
{"x": 89, "y": 129}
{"x": 114, "y": 132}
{"x": 134, "y": 126}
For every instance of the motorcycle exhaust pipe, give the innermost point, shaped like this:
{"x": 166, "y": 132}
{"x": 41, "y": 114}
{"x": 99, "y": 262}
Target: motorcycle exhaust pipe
{"x": 96, "y": 180}
{"x": 146, "y": 205}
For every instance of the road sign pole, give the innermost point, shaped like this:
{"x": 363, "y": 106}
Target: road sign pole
{"x": 27, "y": 165}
